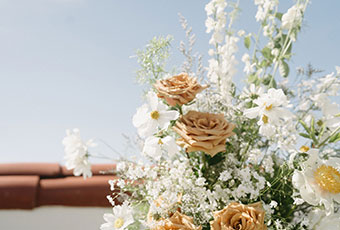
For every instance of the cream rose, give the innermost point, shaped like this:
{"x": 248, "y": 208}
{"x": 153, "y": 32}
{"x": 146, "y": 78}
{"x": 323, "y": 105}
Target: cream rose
{"x": 237, "y": 216}
{"x": 175, "y": 222}
{"x": 179, "y": 89}
{"x": 205, "y": 132}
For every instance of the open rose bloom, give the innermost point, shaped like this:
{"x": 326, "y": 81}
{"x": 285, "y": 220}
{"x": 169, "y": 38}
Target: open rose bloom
{"x": 239, "y": 217}
{"x": 179, "y": 89}
{"x": 203, "y": 132}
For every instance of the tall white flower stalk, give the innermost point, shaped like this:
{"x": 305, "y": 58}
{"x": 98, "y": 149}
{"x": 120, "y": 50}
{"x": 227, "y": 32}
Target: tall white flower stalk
{"x": 222, "y": 65}
{"x": 280, "y": 30}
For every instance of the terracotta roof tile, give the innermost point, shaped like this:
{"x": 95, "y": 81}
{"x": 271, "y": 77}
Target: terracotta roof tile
{"x": 75, "y": 191}
{"x": 40, "y": 169}
{"x": 18, "y": 192}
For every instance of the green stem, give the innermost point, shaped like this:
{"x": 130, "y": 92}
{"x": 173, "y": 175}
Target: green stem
{"x": 325, "y": 141}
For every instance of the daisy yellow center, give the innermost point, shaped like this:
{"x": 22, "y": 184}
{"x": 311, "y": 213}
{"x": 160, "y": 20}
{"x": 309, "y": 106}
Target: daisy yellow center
{"x": 269, "y": 107}
{"x": 160, "y": 142}
{"x": 119, "y": 223}
{"x": 265, "y": 119}
{"x": 328, "y": 178}
{"x": 304, "y": 148}
{"x": 154, "y": 114}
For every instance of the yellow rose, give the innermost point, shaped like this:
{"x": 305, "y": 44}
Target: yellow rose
{"x": 179, "y": 89}
{"x": 237, "y": 216}
{"x": 205, "y": 132}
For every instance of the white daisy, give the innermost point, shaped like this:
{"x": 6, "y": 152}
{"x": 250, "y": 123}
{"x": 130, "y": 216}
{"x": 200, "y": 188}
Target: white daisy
{"x": 120, "y": 219}
{"x": 319, "y": 181}
{"x": 329, "y": 109}
{"x": 251, "y": 93}
{"x": 154, "y": 147}
{"x": 249, "y": 67}
{"x": 270, "y": 108}
{"x": 318, "y": 220}
{"x": 76, "y": 153}
{"x": 153, "y": 116}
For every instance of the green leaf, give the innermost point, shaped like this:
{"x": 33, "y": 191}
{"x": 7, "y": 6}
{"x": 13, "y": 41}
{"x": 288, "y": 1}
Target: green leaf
{"x": 279, "y": 15}
{"x": 216, "y": 159}
{"x": 283, "y": 69}
{"x": 266, "y": 80}
{"x": 312, "y": 124}
{"x": 304, "y": 135}
{"x": 247, "y": 41}
{"x": 272, "y": 84}
{"x": 335, "y": 138}
{"x": 323, "y": 128}
{"x": 266, "y": 52}
{"x": 253, "y": 79}
{"x": 305, "y": 126}
{"x": 312, "y": 131}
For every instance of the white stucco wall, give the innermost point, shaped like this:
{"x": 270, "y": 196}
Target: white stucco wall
{"x": 53, "y": 218}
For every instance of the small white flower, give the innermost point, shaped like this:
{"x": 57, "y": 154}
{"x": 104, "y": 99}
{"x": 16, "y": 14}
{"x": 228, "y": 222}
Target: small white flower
{"x": 271, "y": 105}
{"x": 252, "y": 92}
{"x": 153, "y": 116}
{"x": 209, "y": 8}
{"x": 200, "y": 181}
{"x": 318, "y": 182}
{"x": 120, "y": 219}
{"x": 275, "y": 52}
{"x": 154, "y": 147}
{"x": 329, "y": 109}
{"x": 268, "y": 164}
{"x": 121, "y": 166}
{"x": 270, "y": 109}
{"x": 292, "y": 18}
{"x": 241, "y": 33}
{"x": 254, "y": 156}
{"x": 273, "y": 204}
{"x": 76, "y": 153}
{"x": 211, "y": 52}
{"x": 225, "y": 175}
{"x": 249, "y": 67}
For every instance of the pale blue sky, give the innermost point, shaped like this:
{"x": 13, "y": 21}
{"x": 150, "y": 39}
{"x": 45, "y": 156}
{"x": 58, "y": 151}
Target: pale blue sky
{"x": 65, "y": 64}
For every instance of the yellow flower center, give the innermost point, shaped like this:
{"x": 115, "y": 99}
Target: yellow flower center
{"x": 119, "y": 223}
{"x": 269, "y": 107}
{"x": 304, "y": 148}
{"x": 328, "y": 178}
{"x": 160, "y": 142}
{"x": 154, "y": 114}
{"x": 265, "y": 119}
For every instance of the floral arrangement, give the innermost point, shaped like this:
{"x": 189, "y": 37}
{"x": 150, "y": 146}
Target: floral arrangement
{"x": 220, "y": 158}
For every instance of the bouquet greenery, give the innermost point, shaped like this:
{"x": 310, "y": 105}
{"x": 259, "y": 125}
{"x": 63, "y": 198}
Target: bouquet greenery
{"x": 265, "y": 157}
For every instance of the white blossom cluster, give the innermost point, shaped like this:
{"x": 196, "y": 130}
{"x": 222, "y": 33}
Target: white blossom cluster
{"x": 76, "y": 153}
{"x": 222, "y": 65}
